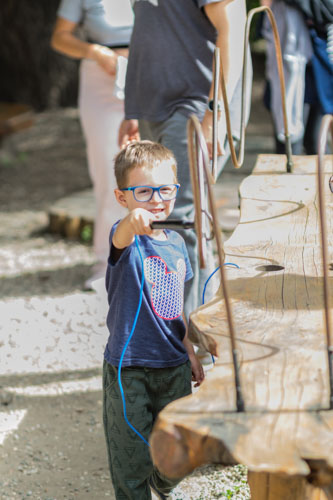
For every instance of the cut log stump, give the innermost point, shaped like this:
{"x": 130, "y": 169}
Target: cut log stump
{"x": 14, "y": 117}
{"x": 285, "y": 434}
{"x": 73, "y": 216}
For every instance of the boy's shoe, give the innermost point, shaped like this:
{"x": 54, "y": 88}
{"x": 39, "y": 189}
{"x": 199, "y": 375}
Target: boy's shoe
{"x": 159, "y": 495}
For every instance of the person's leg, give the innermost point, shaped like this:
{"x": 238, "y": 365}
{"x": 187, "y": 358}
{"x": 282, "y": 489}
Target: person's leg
{"x": 296, "y": 147}
{"x": 128, "y": 456}
{"x": 312, "y": 128}
{"x": 167, "y": 385}
{"x": 173, "y": 134}
{"x": 101, "y": 113}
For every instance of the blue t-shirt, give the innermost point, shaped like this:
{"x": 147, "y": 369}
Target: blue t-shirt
{"x": 108, "y": 22}
{"x": 157, "y": 339}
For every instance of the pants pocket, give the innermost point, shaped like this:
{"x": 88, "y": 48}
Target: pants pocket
{"x": 110, "y": 375}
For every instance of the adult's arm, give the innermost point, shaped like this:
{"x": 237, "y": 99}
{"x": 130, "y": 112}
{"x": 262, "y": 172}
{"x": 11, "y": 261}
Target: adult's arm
{"x": 229, "y": 18}
{"x": 66, "y": 42}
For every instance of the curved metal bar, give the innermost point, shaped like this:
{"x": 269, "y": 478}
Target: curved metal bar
{"x": 195, "y": 148}
{"x": 215, "y": 110}
{"x": 326, "y": 124}
{"x": 194, "y": 130}
{"x": 238, "y": 162}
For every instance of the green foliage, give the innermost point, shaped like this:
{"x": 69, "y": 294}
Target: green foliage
{"x": 87, "y": 233}
{"x": 22, "y": 156}
{"x": 252, "y": 4}
{"x": 9, "y": 159}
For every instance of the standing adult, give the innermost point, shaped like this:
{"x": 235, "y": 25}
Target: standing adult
{"x": 169, "y": 77}
{"x": 303, "y": 27}
{"x": 108, "y": 25}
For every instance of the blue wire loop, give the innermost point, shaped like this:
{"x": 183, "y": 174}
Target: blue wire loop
{"x": 126, "y": 345}
{"x": 210, "y": 276}
{"x": 225, "y": 264}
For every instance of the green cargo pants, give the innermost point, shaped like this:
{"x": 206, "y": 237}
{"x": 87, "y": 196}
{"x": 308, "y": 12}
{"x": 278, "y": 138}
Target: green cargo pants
{"x": 147, "y": 392}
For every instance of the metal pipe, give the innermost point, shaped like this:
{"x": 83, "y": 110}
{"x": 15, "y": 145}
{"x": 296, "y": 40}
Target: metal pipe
{"x": 238, "y": 162}
{"x": 326, "y": 124}
{"x": 215, "y": 110}
{"x": 195, "y": 131}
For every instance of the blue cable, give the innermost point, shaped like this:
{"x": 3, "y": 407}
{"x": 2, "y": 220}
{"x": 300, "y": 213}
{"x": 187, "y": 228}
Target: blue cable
{"x": 204, "y": 290}
{"x": 126, "y": 345}
{"x": 132, "y": 332}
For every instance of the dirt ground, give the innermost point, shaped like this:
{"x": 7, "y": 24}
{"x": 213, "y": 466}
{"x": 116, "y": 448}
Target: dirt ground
{"x": 57, "y": 451}
{"x": 52, "y": 334}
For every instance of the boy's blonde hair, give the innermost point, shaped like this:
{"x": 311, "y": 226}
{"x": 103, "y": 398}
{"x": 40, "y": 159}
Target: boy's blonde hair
{"x": 146, "y": 154}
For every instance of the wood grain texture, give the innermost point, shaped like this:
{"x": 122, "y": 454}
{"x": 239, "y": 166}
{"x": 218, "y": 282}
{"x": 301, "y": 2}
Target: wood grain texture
{"x": 265, "y": 486}
{"x": 277, "y": 303}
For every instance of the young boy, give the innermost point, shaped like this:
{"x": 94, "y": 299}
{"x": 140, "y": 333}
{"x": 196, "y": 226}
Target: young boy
{"x": 159, "y": 361}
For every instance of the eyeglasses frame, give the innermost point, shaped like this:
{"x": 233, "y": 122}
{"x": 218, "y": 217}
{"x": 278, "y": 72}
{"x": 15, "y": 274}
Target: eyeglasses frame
{"x": 154, "y": 190}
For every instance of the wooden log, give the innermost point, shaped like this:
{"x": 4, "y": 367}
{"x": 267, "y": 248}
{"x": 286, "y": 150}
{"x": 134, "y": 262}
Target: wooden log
{"x": 277, "y": 303}
{"x": 14, "y": 117}
{"x": 73, "y": 216}
{"x": 265, "y": 486}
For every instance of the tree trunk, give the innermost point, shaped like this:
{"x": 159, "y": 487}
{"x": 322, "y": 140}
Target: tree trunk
{"x": 31, "y": 72}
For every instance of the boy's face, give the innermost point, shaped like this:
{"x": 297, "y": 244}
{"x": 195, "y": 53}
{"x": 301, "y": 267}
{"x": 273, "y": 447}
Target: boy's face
{"x": 140, "y": 176}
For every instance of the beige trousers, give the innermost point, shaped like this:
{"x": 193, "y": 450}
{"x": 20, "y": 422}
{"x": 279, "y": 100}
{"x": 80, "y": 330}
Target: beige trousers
{"x": 101, "y": 113}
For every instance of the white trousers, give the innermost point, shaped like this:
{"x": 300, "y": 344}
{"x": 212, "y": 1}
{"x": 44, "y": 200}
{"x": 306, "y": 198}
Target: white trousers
{"x": 101, "y": 113}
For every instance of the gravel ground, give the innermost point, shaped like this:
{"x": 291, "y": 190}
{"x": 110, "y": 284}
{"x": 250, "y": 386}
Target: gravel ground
{"x": 52, "y": 334}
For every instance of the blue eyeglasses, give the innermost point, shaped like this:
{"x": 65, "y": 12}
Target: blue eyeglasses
{"x": 166, "y": 192}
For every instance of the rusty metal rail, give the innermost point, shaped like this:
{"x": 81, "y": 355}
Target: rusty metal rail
{"x": 196, "y": 142}
{"x": 326, "y": 126}
{"x": 219, "y": 75}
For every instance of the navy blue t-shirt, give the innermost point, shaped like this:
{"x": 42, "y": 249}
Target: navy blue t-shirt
{"x": 159, "y": 332}
{"x": 170, "y": 60}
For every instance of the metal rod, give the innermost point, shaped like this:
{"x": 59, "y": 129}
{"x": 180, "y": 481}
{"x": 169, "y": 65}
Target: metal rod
{"x": 326, "y": 124}
{"x": 172, "y": 224}
{"x": 194, "y": 129}
{"x": 196, "y": 143}
{"x": 215, "y": 110}
{"x": 238, "y": 162}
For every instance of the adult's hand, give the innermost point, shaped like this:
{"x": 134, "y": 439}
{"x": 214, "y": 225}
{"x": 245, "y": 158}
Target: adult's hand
{"x": 128, "y": 131}
{"x": 106, "y": 58}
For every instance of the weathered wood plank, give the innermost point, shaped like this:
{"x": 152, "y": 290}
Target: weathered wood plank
{"x": 277, "y": 294}
{"x": 265, "y": 486}
{"x": 277, "y": 302}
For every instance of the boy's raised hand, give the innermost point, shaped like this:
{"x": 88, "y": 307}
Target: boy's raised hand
{"x": 136, "y": 222}
{"x": 140, "y": 220}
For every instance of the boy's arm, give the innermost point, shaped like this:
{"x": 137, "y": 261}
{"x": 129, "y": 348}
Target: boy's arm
{"x": 198, "y": 374}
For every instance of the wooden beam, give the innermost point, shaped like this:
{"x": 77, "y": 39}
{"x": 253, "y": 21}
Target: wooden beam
{"x": 277, "y": 303}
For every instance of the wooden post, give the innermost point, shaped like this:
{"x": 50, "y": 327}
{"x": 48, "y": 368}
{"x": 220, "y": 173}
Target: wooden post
{"x": 265, "y": 486}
